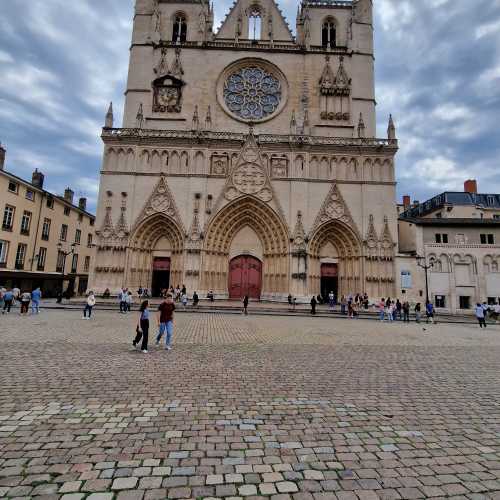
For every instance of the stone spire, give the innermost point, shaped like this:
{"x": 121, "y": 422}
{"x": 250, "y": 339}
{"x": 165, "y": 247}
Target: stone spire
{"x": 361, "y": 127}
{"x": 139, "y": 119}
{"x": 208, "y": 119}
{"x": 109, "y": 121}
{"x": 391, "y": 130}
{"x": 293, "y": 124}
{"x": 196, "y": 120}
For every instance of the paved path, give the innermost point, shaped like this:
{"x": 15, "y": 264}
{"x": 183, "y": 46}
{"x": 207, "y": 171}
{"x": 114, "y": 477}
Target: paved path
{"x": 248, "y": 408}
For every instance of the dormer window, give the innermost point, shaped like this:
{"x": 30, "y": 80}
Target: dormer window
{"x": 179, "y": 32}
{"x": 254, "y": 24}
{"x": 329, "y": 34}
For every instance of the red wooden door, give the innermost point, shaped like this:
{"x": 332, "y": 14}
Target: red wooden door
{"x": 245, "y": 277}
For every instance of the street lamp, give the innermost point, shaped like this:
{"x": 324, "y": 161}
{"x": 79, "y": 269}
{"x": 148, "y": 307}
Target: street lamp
{"x": 65, "y": 254}
{"x": 422, "y": 262}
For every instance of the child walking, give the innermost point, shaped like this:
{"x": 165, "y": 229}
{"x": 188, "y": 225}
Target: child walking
{"x": 142, "y": 327}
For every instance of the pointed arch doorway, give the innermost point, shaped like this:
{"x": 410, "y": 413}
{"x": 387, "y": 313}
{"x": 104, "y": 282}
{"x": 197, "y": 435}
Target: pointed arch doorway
{"x": 245, "y": 277}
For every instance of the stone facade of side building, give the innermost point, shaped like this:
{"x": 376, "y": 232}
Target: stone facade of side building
{"x": 247, "y": 162}
{"x": 457, "y": 235}
{"x": 46, "y": 240}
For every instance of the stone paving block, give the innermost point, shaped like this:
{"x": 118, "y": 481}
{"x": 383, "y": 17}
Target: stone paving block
{"x": 124, "y": 483}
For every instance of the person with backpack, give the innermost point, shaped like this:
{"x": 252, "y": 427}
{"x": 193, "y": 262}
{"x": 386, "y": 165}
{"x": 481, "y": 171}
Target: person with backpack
{"x": 166, "y": 321}
{"x": 89, "y": 306}
{"x": 142, "y": 329}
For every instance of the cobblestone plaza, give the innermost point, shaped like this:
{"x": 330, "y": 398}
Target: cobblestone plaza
{"x": 257, "y": 407}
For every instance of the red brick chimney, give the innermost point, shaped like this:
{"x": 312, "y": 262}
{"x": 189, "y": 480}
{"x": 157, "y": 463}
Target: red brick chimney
{"x": 406, "y": 201}
{"x": 470, "y": 186}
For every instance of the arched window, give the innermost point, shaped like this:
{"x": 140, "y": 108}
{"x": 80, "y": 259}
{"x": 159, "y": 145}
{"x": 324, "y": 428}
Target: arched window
{"x": 329, "y": 34}
{"x": 254, "y": 24}
{"x": 179, "y": 32}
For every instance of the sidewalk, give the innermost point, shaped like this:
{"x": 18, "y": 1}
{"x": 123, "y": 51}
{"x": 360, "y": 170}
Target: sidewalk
{"x": 255, "y": 308}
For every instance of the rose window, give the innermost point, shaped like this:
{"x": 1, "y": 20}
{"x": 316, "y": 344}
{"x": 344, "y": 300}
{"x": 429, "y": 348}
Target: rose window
{"x": 252, "y": 93}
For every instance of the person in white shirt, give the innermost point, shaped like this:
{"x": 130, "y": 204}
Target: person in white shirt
{"x": 89, "y": 306}
{"x": 480, "y": 315}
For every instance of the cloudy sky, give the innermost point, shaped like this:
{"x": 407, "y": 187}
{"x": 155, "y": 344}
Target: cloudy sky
{"x": 438, "y": 73}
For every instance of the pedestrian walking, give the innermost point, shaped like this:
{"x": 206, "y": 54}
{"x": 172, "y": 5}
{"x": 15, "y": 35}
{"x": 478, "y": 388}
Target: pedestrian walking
{"x": 129, "y": 300}
{"x": 331, "y": 300}
{"x": 166, "y": 321}
{"x": 245, "y": 305}
{"x": 406, "y": 312}
{"x": 381, "y": 309}
{"x": 184, "y": 300}
{"x": 2, "y": 299}
{"x": 8, "y": 298}
{"x": 142, "y": 329}
{"x": 313, "y": 305}
{"x": 418, "y": 312}
{"x": 398, "y": 310}
{"x": 343, "y": 305}
{"x": 25, "y": 303}
{"x": 429, "y": 311}
{"x": 122, "y": 297}
{"x": 480, "y": 315}
{"x": 196, "y": 299}
{"x": 496, "y": 312}
{"x": 36, "y": 297}
{"x": 89, "y": 306}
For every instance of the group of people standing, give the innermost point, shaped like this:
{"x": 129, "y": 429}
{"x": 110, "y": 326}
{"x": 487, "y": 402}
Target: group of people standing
{"x": 9, "y": 297}
{"x": 394, "y": 310}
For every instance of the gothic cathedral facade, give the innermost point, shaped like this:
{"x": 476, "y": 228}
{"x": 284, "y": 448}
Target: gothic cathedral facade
{"x": 248, "y": 163}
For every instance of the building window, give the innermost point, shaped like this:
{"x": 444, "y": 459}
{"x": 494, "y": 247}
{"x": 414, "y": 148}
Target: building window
{"x": 464, "y": 302}
{"x": 26, "y": 223}
{"x": 490, "y": 200}
{"x": 86, "y": 265}
{"x": 64, "y": 232}
{"x": 78, "y": 236}
{"x": 440, "y": 301}
{"x": 255, "y": 24}
{"x": 92, "y": 222}
{"x": 42, "y": 257}
{"x": 61, "y": 258}
{"x": 80, "y": 218}
{"x": 4, "y": 252}
{"x": 50, "y": 202}
{"x": 21, "y": 255}
{"x": 74, "y": 264}
{"x": 487, "y": 239}
{"x": 441, "y": 238}
{"x": 67, "y": 210}
{"x": 8, "y": 218}
{"x": 460, "y": 239}
{"x": 329, "y": 34}
{"x": 30, "y": 195}
{"x": 89, "y": 240}
{"x": 46, "y": 229}
{"x": 179, "y": 34}
{"x": 13, "y": 187}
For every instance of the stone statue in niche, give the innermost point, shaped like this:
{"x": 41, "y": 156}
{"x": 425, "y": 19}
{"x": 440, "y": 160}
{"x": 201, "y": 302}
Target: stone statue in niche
{"x": 167, "y": 94}
{"x": 279, "y": 167}
{"x": 219, "y": 165}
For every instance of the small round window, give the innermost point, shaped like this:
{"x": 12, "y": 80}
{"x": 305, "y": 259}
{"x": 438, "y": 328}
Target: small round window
{"x": 252, "y": 93}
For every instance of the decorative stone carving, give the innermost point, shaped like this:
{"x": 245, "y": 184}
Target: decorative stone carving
{"x": 249, "y": 176}
{"x": 107, "y": 230}
{"x": 168, "y": 87}
{"x": 386, "y": 241}
{"x": 334, "y": 208}
{"x": 371, "y": 240}
{"x": 219, "y": 165}
{"x": 161, "y": 201}
{"x": 299, "y": 234}
{"x": 335, "y": 92}
{"x": 279, "y": 166}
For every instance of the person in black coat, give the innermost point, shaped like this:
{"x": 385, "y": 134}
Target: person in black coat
{"x": 313, "y": 305}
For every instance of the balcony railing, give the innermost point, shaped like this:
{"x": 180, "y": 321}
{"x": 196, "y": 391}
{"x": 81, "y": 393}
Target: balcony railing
{"x": 132, "y": 134}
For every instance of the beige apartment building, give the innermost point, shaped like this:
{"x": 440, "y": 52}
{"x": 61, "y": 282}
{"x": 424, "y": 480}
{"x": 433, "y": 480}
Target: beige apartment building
{"x": 456, "y": 235}
{"x": 248, "y": 161}
{"x": 45, "y": 240}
